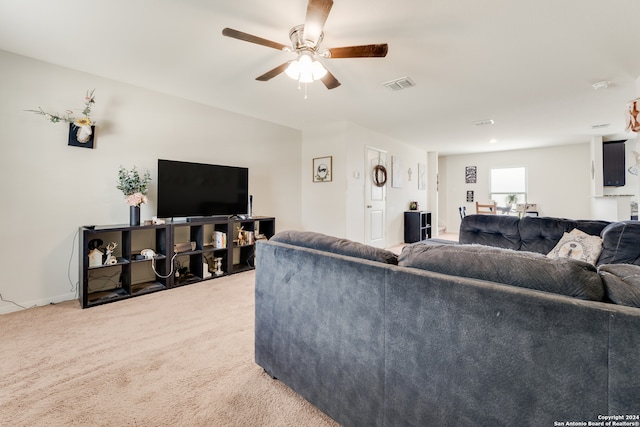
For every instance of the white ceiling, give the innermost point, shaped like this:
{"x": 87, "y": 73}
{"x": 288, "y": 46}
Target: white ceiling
{"x": 528, "y": 65}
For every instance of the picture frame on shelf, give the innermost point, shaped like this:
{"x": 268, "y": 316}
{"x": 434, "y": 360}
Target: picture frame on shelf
{"x": 322, "y": 169}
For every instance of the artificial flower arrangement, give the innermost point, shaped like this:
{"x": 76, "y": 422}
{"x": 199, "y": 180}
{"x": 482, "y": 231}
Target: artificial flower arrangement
{"x": 83, "y": 123}
{"x": 133, "y": 185}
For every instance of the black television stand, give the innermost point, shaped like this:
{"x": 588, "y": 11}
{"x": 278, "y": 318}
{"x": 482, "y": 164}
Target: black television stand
{"x": 216, "y": 248}
{"x": 198, "y": 219}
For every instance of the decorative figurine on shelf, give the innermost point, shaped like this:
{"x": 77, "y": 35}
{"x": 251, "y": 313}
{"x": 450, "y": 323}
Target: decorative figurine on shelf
{"x": 95, "y": 254}
{"x": 218, "y": 262}
{"x": 413, "y": 206}
{"x": 241, "y": 236}
{"x": 111, "y": 260}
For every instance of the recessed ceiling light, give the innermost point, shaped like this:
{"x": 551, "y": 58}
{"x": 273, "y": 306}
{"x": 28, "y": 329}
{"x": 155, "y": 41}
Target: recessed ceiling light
{"x": 493, "y": 141}
{"x": 601, "y": 85}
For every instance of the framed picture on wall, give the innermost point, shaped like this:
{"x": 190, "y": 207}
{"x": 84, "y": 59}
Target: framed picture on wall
{"x": 87, "y": 137}
{"x": 322, "y": 169}
{"x": 469, "y": 195}
{"x": 470, "y": 174}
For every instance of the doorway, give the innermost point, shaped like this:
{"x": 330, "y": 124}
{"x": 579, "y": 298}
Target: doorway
{"x": 375, "y": 198}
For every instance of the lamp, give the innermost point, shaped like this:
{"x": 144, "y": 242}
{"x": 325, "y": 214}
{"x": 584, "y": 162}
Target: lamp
{"x": 305, "y": 69}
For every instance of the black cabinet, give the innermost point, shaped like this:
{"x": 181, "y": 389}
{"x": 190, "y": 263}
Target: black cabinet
{"x": 119, "y": 261}
{"x": 417, "y": 226}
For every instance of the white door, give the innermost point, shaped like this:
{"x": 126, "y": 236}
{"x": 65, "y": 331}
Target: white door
{"x": 375, "y": 198}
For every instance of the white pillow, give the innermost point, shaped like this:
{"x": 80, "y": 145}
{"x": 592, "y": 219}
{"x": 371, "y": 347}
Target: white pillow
{"x": 578, "y": 245}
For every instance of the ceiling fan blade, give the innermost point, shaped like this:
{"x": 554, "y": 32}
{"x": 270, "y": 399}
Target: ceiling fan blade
{"x": 364, "y": 51}
{"x": 317, "y": 13}
{"x": 330, "y": 81}
{"x": 272, "y": 73}
{"x": 230, "y": 32}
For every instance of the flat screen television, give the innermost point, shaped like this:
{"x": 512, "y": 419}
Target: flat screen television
{"x": 188, "y": 189}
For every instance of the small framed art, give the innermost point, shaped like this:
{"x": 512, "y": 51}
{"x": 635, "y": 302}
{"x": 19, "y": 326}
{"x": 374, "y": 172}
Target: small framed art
{"x": 322, "y": 169}
{"x": 81, "y": 136}
{"x": 470, "y": 174}
{"x": 469, "y": 195}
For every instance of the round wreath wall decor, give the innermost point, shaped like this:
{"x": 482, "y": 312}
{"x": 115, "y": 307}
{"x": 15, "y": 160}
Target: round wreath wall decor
{"x": 379, "y": 175}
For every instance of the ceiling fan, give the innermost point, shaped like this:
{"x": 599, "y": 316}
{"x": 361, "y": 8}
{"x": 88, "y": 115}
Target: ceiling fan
{"x": 305, "y": 42}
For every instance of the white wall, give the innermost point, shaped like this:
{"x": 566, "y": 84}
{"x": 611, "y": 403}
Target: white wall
{"x": 337, "y": 207}
{"x": 558, "y": 181}
{"x": 324, "y": 203}
{"x": 49, "y": 189}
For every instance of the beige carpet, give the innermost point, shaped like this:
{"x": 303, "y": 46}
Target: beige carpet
{"x": 182, "y": 357}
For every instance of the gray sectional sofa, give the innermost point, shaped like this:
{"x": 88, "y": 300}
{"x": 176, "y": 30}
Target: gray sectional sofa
{"x": 454, "y": 335}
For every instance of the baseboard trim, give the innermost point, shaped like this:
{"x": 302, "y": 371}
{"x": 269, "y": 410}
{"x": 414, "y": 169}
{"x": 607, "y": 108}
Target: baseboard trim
{"x": 8, "y": 307}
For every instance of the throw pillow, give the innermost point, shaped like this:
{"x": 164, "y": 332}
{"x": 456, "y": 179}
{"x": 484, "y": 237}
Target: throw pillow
{"x": 622, "y": 283}
{"x": 578, "y": 245}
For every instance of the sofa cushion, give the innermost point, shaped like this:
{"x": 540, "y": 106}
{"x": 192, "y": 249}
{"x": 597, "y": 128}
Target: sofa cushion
{"x": 541, "y": 234}
{"x": 492, "y": 230}
{"x": 518, "y": 268}
{"x": 336, "y": 245}
{"x": 620, "y": 243}
{"x": 622, "y": 283}
{"x": 578, "y": 245}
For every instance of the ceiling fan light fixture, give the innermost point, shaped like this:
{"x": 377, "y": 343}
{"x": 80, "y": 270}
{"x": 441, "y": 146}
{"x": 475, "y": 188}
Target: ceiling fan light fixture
{"x": 305, "y": 69}
{"x": 318, "y": 70}
{"x": 306, "y": 77}
{"x": 293, "y": 70}
{"x": 305, "y": 41}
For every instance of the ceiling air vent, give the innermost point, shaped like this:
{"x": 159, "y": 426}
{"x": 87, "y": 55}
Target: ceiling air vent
{"x": 484, "y": 122}
{"x": 399, "y": 84}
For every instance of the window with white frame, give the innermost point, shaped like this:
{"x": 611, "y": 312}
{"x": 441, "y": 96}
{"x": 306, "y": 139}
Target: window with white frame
{"x": 508, "y": 187}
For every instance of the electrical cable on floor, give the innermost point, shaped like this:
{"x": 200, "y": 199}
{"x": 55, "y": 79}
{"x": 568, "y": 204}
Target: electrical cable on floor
{"x": 12, "y": 302}
{"x": 74, "y": 287}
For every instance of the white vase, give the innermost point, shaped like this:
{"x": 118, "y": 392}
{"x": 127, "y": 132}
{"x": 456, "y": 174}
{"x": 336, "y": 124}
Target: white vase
{"x": 83, "y": 134}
